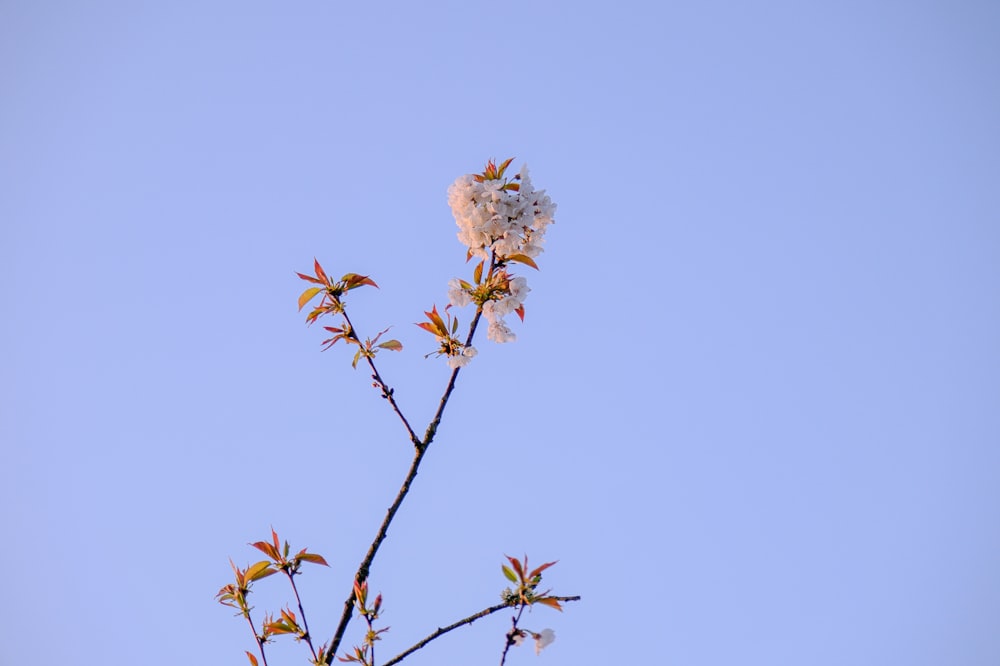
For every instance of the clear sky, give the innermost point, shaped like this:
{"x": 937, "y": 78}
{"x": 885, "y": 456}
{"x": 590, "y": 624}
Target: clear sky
{"x": 754, "y": 407}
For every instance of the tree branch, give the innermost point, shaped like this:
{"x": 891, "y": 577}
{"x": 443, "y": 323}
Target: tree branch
{"x": 464, "y": 621}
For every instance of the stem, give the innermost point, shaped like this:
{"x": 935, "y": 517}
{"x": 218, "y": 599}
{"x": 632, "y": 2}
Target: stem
{"x": 387, "y": 392}
{"x": 302, "y": 612}
{"x": 421, "y": 447}
{"x": 442, "y": 631}
{"x": 464, "y": 621}
{"x": 510, "y": 634}
{"x": 260, "y": 643}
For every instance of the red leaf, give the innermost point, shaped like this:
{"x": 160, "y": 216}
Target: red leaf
{"x": 309, "y": 278}
{"x": 312, "y": 557}
{"x": 320, "y": 273}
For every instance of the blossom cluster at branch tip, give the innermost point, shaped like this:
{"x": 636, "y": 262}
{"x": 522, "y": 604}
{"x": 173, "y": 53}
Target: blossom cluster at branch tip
{"x": 500, "y": 220}
{"x": 494, "y": 214}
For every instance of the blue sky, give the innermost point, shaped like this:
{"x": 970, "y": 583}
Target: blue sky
{"x": 753, "y": 407}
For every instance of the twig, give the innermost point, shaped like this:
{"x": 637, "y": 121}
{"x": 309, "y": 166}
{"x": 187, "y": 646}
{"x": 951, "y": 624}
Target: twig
{"x": 302, "y": 612}
{"x": 387, "y": 392}
{"x": 421, "y": 448}
{"x": 464, "y": 621}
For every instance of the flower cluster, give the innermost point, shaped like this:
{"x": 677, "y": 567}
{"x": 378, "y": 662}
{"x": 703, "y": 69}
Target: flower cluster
{"x": 498, "y": 216}
{"x": 501, "y": 221}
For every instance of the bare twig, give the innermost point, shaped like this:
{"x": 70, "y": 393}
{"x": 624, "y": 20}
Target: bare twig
{"x": 421, "y": 448}
{"x": 387, "y": 392}
{"x": 302, "y": 612}
{"x": 440, "y": 631}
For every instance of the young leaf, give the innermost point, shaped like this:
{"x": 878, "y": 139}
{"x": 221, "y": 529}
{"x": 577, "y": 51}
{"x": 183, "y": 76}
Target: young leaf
{"x": 260, "y": 570}
{"x": 320, "y": 273}
{"x": 309, "y": 278}
{"x": 508, "y": 573}
{"x": 308, "y": 295}
{"x": 253, "y": 659}
{"x": 538, "y": 570}
{"x": 523, "y": 259}
{"x": 392, "y": 345}
{"x": 477, "y": 274}
{"x": 549, "y": 601}
{"x": 312, "y": 557}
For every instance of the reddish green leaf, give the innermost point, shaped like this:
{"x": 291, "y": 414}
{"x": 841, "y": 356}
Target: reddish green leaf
{"x": 266, "y": 548}
{"x": 477, "y": 274}
{"x": 549, "y": 601}
{"x": 436, "y": 318}
{"x": 260, "y": 570}
{"x": 312, "y": 557}
{"x": 320, "y": 273}
{"x": 428, "y": 327}
{"x": 392, "y": 345}
{"x": 520, "y": 311}
{"x": 309, "y": 278}
{"x": 253, "y": 659}
{"x": 537, "y": 571}
{"x": 523, "y": 259}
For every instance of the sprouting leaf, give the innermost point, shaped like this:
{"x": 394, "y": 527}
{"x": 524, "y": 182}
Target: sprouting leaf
{"x": 309, "y": 278}
{"x": 312, "y": 557}
{"x": 503, "y": 167}
{"x": 253, "y": 659}
{"x": 517, "y": 566}
{"x": 260, "y": 570}
{"x": 523, "y": 259}
{"x": 353, "y": 280}
{"x": 392, "y": 345}
{"x": 267, "y": 549}
{"x": 508, "y": 573}
{"x": 436, "y": 318}
{"x": 549, "y": 601}
{"x": 538, "y": 570}
{"x": 428, "y": 327}
{"x": 320, "y": 273}
{"x": 477, "y": 274}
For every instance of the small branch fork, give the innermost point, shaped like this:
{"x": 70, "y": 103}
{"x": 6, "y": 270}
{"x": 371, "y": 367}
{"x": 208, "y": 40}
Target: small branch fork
{"x": 420, "y": 446}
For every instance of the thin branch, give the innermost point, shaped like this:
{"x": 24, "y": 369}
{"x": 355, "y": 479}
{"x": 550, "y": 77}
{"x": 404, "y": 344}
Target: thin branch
{"x": 421, "y": 448}
{"x": 302, "y": 612}
{"x": 387, "y": 392}
{"x": 260, "y": 641}
{"x": 510, "y": 634}
{"x": 464, "y": 621}
{"x": 432, "y": 427}
{"x": 444, "y": 630}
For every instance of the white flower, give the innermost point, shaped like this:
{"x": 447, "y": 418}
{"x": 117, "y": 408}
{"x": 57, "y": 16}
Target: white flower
{"x": 462, "y": 360}
{"x": 457, "y": 295}
{"x": 543, "y": 640}
{"x": 498, "y": 332}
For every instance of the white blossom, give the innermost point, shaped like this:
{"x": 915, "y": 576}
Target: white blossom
{"x": 498, "y": 220}
{"x": 505, "y": 221}
{"x": 543, "y": 640}
{"x": 499, "y": 332}
{"x": 462, "y": 360}
{"x": 457, "y": 295}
